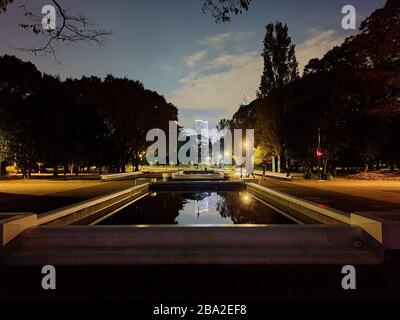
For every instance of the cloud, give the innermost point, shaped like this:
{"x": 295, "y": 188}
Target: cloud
{"x": 219, "y": 40}
{"x": 192, "y": 60}
{"x": 221, "y": 82}
{"x": 187, "y": 117}
{"x": 188, "y": 80}
{"x": 216, "y": 40}
{"x": 229, "y": 60}
{"x": 224, "y": 90}
{"x": 319, "y": 43}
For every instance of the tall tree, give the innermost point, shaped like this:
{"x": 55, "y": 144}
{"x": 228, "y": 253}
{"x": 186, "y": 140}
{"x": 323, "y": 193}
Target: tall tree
{"x": 280, "y": 64}
{"x": 280, "y": 69}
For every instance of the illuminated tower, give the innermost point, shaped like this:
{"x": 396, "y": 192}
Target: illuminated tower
{"x": 202, "y": 130}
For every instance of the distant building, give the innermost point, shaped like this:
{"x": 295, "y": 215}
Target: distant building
{"x": 203, "y": 141}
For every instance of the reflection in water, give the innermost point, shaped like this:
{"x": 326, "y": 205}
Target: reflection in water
{"x": 197, "y": 208}
{"x": 201, "y": 206}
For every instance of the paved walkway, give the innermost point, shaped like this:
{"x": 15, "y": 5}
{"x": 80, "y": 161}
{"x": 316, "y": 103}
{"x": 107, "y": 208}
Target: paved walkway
{"x": 343, "y": 194}
{"x": 40, "y": 196}
{"x": 347, "y": 195}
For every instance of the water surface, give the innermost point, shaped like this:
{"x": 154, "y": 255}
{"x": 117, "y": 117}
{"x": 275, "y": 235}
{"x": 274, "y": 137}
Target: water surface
{"x": 200, "y": 208}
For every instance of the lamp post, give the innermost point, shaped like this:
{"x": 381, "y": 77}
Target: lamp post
{"x": 319, "y": 154}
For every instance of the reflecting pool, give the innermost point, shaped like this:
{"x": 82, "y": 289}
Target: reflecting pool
{"x": 201, "y": 208}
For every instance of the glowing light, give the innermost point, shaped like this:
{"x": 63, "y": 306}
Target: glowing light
{"x": 246, "y": 199}
{"x": 319, "y": 154}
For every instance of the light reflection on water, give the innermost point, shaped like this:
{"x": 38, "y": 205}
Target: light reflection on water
{"x": 224, "y": 208}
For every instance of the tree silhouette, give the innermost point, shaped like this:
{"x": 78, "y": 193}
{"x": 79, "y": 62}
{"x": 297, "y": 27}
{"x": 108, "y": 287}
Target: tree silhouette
{"x": 351, "y": 96}
{"x": 221, "y": 10}
{"x": 86, "y": 122}
{"x": 76, "y": 27}
{"x": 73, "y": 28}
{"x": 280, "y": 69}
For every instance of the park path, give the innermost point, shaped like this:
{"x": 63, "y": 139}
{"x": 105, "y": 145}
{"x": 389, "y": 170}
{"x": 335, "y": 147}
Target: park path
{"x": 343, "y": 194}
{"x": 39, "y": 196}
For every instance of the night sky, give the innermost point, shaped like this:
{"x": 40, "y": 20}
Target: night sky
{"x": 172, "y": 47}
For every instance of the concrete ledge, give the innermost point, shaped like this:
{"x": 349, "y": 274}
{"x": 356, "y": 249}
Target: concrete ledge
{"x": 12, "y": 224}
{"x": 164, "y": 236}
{"x": 163, "y": 245}
{"x": 300, "y": 208}
{"x": 382, "y": 226}
{"x": 100, "y": 205}
{"x": 282, "y": 176}
{"x": 200, "y": 176}
{"x": 120, "y": 176}
{"x": 197, "y": 256}
{"x": 152, "y": 169}
{"x": 195, "y": 186}
{"x": 250, "y": 180}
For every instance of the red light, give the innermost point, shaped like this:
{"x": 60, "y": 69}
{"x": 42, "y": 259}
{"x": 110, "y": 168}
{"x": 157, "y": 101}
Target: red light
{"x": 319, "y": 154}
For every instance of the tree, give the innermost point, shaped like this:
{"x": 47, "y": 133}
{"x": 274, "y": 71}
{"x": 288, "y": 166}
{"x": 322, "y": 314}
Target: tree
{"x": 280, "y": 69}
{"x": 359, "y": 83}
{"x": 4, "y": 152}
{"x": 280, "y": 64}
{"x": 129, "y": 112}
{"x": 224, "y": 124}
{"x": 351, "y": 97}
{"x": 221, "y": 10}
{"x": 82, "y": 122}
{"x": 4, "y": 4}
{"x": 72, "y": 28}
{"x": 18, "y": 81}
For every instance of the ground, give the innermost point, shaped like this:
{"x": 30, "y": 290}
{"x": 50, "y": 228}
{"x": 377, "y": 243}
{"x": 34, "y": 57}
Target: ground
{"x": 344, "y": 194}
{"x": 207, "y": 283}
{"x": 40, "y": 196}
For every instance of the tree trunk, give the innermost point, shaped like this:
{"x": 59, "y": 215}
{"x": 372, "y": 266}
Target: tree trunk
{"x": 326, "y": 161}
{"x": 3, "y": 166}
{"x": 333, "y": 169}
{"x": 366, "y": 167}
{"x": 55, "y": 171}
{"x": 283, "y": 161}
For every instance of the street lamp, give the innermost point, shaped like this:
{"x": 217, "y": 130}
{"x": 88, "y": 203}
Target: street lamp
{"x": 319, "y": 154}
